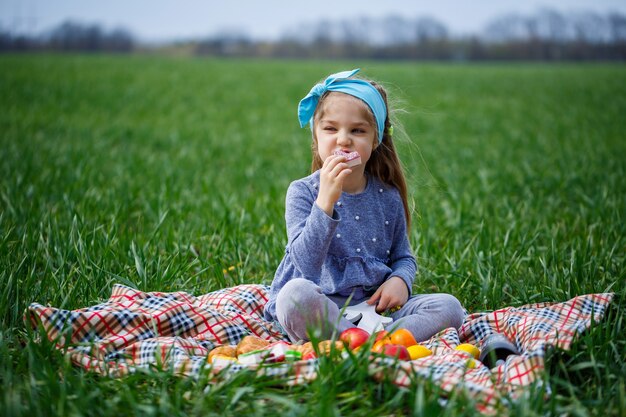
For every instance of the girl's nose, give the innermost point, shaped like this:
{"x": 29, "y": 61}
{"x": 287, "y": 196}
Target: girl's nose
{"x": 343, "y": 137}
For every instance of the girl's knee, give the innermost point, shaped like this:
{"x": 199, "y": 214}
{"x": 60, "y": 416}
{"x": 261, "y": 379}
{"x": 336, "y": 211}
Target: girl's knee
{"x": 442, "y": 308}
{"x": 300, "y": 307}
{"x": 456, "y": 312}
{"x": 297, "y": 292}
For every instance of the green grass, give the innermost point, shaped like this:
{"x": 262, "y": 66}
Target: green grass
{"x": 161, "y": 173}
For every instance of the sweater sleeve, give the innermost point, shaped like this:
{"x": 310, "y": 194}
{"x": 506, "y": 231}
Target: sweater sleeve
{"x": 309, "y": 230}
{"x": 403, "y": 262}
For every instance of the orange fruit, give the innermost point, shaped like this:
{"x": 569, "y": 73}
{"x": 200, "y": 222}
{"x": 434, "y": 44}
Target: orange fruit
{"x": 378, "y": 346}
{"x": 403, "y": 337}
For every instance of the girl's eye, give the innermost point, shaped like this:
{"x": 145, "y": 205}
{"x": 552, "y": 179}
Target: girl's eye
{"x": 330, "y": 128}
{"x": 359, "y": 131}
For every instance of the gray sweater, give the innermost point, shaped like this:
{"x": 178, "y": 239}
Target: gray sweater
{"x": 354, "y": 251}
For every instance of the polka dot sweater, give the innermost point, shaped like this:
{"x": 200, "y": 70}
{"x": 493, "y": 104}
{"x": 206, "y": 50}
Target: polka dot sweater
{"x": 354, "y": 251}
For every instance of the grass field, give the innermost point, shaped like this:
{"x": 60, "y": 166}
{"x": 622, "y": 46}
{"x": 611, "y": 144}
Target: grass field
{"x": 161, "y": 173}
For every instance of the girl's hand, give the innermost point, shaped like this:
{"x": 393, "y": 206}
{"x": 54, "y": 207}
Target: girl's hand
{"x": 392, "y": 293}
{"x": 332, "y": 175}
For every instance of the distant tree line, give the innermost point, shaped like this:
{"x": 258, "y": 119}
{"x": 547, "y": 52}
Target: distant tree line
{"x": 71, "y": 36}
{"x": 546, "y": 35}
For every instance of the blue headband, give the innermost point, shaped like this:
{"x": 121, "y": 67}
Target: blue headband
{"x": 342, "y": 83}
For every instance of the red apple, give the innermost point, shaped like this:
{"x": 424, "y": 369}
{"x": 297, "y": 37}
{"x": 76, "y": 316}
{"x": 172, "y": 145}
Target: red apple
{"x": 397, "y": 351}
{"x": 354, "y": 337}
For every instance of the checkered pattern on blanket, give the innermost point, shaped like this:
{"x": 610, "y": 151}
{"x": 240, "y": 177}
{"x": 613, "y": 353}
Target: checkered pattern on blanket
{"x": 135, "y": 330}
{"x": 533, "y": 328}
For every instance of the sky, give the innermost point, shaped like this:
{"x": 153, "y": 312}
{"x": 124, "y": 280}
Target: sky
{"x": 162, "y": 20}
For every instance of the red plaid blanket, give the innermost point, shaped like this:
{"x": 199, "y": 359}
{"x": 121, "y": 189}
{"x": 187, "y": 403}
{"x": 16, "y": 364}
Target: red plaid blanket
{"x": 135, "y": 330}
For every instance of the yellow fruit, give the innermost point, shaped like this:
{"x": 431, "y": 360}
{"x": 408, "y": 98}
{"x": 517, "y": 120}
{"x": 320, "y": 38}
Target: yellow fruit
{"x": 471, "y": 363}
{"x": 418, "y": 351}
{"x": 469, "y": 348}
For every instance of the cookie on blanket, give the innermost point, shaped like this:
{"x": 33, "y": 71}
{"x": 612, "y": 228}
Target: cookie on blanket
{"x": 303, "y": 349}
{"x": 324, "y": 347}
{"x": 224, "y": 350}
{"x": 250, "y": 343}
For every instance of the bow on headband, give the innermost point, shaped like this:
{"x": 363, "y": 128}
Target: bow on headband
{"x": 341, "y": 82}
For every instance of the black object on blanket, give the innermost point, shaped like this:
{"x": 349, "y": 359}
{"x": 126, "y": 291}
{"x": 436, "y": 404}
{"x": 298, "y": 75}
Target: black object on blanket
{"x": 495, "y": 348}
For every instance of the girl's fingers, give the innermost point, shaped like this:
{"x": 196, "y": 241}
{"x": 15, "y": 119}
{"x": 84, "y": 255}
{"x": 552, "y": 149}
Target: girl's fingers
{"x": 343, "y": 173}
{"x": 333, "y": 160}
{"x": 334, "y": 166}
{"x": 374, "y": 298}
{"x": 382, "y": 304}
{"x": 332, "y": 176}
{"x": 383, "y": 300}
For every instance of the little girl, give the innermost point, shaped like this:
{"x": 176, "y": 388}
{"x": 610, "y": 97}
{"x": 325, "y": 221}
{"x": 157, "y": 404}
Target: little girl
{"x": 347, "y": 226}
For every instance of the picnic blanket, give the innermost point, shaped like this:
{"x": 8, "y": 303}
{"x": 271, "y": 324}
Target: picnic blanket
{"x": 175, "y": 331}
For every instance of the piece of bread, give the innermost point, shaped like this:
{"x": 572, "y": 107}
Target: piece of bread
{"x": 224, "y": 350}
{"x": 250, "y": 343}
{"x": 304, "y": 348}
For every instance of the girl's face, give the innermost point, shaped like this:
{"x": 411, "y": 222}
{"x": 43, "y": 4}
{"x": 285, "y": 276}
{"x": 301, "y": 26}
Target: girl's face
{"x": 345, "y": 123}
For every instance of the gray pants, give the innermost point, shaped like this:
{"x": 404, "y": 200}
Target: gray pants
{"x": 301, "y": 307}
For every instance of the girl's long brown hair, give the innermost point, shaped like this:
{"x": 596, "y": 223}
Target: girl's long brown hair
{"x": 383, "y": 164}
